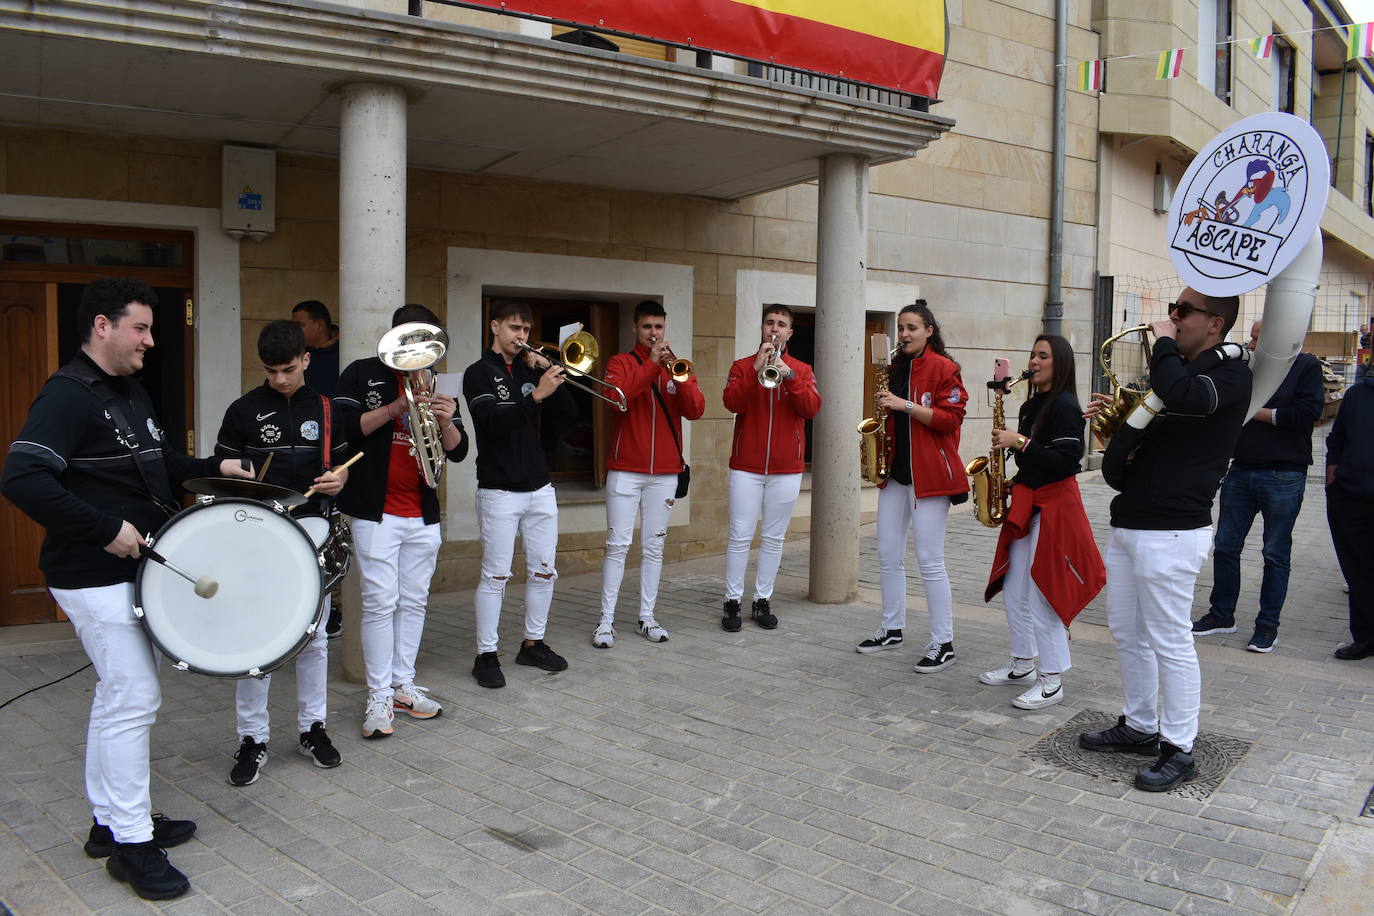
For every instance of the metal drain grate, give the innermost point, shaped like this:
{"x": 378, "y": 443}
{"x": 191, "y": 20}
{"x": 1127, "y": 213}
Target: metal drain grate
{"x": 1368, "y": 804}
{"x": 1216, "y": 756}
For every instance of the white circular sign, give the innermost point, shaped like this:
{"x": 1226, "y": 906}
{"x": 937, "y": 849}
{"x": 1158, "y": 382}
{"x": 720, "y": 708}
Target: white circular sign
{"x": 1248, "y": 204}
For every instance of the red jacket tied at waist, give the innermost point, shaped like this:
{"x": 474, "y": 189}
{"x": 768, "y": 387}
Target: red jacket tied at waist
{"x": 1067, "y": 567}
{"x": 643, "y": 442}
{"x": 770, "y": 424}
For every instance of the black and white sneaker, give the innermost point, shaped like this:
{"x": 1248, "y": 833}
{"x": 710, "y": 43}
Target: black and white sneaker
{"x": 248, "y": 761}
{"x": 1017, "y": 671}
{"x": 763, "y": 614}
{"x": 882, "y": 639}
{"x": 316, "y": 745}
{"x": 730, "y": 621}
{"x": 937, "y": 658}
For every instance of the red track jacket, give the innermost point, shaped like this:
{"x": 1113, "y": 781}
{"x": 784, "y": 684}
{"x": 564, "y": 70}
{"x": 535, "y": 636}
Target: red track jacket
{"x": 934, "y": 382}
{"x": 770, "y": 425}
{"x": 643, "y": 441}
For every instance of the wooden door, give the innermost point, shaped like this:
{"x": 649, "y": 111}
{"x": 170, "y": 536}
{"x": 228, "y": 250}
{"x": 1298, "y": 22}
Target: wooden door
{"x": 28, "y": 315}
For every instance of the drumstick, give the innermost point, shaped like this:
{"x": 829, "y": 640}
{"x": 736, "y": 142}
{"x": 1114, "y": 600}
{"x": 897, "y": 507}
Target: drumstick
{"x": 311, "y": 492}
{"x": 205, "y": 586}
{"x": 265, "y": 465}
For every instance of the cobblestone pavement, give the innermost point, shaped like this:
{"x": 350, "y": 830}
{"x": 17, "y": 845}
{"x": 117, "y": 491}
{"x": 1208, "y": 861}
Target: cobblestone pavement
{"x": 764, "y": 772}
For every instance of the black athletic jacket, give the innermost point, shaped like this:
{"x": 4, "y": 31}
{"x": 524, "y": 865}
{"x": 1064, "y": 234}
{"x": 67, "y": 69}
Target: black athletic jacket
{"x": 73, "y": 471}
{"x": 506, "y": 422}
{"x": 263, "y": 422}
{"x": 1056, "y": 449}
{"x": 364, "y": 385}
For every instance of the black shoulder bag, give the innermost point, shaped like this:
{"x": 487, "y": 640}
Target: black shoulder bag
{"x": 684, "y": 476}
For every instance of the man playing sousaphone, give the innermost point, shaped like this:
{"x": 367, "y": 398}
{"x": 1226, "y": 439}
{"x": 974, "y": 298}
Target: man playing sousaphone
{"x": 395, "y": 520}
{"x": 1162, "y": 530}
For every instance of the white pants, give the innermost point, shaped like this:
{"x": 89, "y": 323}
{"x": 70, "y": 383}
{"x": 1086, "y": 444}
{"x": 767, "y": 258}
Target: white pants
{"x": 501, "y": 514}
{"x": 312, "y": 676}
{"x": 123, "y": 707}
{"x": 772, "y": 496}
{"x": 1036, "y": 629}
{"x": 1150, "y": 578}
{"x": 396, "y": 559}
{"x": 900, "y": 513}
{"x": 651, "y": 496}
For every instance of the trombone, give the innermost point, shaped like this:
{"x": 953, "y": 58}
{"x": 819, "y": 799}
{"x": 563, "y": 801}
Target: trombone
{"x": 680, "y": 370}
{"x": 577, "y": 356}
{"x": 770, "y": 376}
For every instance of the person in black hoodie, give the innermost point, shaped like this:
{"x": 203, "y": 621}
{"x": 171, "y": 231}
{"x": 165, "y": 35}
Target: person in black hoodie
{"x": 90, "y": 466}
{"x": 506, "y": 391}
{"x": 1350, "y": 510}
{"x": 1267, "y": 477}
{"x": 286, "y": 421}
{"x": 1162, "y": 530}
{"x": 395, "y": 522}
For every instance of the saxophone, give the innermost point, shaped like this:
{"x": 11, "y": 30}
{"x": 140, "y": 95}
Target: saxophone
{"x": 873, "y": 444}
{"x": 991, "y": 491}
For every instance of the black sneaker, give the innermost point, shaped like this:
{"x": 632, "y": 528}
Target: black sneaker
{"x": 333, "y": 627}
{"x": 937, "y": 658}
{"x": 883, "y": 639}
{"x": 730, "y": 622}
{"x": 487, "y": 670}
{"x": 1173, "y": 767}
{"x": 144, "y": 867}
{"x": 166, "y": 834}
{"x": 763, "y": 614}
{"x": 1120, "y": 737}
{"x": 1211, "y": 624}
{"x": 316, "y": 745}
{"x": 248, "y": 760}
{"x": 1263, "y": 640}
{"x": 540, "y": 655}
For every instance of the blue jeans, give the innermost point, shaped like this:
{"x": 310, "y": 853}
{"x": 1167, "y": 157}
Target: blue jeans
{"x": 1277, "y": 496}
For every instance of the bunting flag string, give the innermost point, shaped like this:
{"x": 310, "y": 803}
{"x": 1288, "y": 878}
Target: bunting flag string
{"x": 1170, "y": 64}
{"x": 1359, "y": 41}
{"x": 1262, "y": 47}
{"x": 1092, "y": 75}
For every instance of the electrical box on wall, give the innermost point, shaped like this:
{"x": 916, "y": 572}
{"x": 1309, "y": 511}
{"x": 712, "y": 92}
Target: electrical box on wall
{"x": 248, "y": 182}
{"x": 1164, "y": 191}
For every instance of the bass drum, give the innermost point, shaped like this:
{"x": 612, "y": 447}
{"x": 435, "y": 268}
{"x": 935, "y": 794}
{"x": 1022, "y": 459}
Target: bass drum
{"x": 270, "y": 595}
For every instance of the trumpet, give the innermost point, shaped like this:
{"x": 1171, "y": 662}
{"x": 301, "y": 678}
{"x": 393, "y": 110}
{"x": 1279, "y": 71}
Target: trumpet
{"x": 770, "y": 376}
{"x": 680, "y": 370}
{"x": 411, "y": 349}
{"x": 576, "y": 357}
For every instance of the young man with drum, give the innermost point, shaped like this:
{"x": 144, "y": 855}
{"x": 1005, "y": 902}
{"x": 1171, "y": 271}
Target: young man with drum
{"x": 507, "y": 391}
{"x": 1162, "y": 530}
{"x": 395, "y": 521}
{"x": 285, "y": 421}
{"x": 642, "y": 469}
{"x": 90, "y": 467}
{"x": 772, "y": 394}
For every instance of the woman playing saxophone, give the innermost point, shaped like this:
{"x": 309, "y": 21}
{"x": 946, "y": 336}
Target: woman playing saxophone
{"x": 925, "y": 410}
{"x": 1046, "y": 575}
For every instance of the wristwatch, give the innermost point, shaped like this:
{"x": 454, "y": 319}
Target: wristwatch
{"x": 910, "y": 407}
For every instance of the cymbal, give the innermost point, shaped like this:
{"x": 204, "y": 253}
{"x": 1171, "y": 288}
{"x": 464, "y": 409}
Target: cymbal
{"x": 244, "y": 489}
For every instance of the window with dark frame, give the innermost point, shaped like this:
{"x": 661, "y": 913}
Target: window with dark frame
{"x": 1369, "y": 174}
{"x": 1222, "y": 87}
{"x": 1285, "y": 83}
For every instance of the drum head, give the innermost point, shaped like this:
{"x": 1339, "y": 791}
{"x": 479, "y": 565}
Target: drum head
{"x": 234, "y": 487}
{"x": 269, "y": 589}
{"x": 317, "y": 527}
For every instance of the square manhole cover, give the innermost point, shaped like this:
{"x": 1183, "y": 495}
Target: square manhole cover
{"x": 1216, "y": 756}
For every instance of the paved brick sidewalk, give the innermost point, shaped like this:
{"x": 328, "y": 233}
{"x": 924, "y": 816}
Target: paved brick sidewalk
{"x": 769, "y": 772}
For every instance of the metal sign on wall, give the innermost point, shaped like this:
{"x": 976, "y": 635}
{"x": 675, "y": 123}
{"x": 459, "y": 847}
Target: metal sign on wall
{"x": 899, "y": 44}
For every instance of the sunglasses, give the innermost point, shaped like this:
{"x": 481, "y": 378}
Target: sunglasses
{"x": 1184, "y": 309}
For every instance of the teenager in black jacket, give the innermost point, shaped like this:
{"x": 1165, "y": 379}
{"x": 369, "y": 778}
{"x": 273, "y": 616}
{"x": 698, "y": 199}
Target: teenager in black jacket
{"x": 1162, "y": 530}
{"x": 90, "y": 466}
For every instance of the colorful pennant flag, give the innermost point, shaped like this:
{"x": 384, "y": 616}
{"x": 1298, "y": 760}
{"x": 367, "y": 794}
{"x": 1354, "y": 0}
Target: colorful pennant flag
{"x": 1170, "y": 65}
{"x": 1359, "y": 41}
{"x": 1262, "y": 47}
{"x": 1092, "y": 75}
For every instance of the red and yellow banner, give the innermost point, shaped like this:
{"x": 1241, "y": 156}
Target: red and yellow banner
{"x": 898, "y": 44}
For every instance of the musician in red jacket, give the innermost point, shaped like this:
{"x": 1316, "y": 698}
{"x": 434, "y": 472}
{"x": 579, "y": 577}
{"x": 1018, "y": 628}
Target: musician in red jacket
{"x": 925, "y": 409}
{"x": 643, "y": 467}
{"x": 766, "y": 461}
{"x": 1047, "y": 563}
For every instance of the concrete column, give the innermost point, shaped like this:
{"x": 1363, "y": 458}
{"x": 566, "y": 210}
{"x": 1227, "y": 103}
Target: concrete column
{"x": 841, "y": 253}
{"x": 372, "y": 254}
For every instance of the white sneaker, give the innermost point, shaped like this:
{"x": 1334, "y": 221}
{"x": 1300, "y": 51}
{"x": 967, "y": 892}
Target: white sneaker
{"x": 604, "y": 637}
{"x": 413, "y": 701}
{"x": 377, "y": 718}
{"x": 1040, "y": 695}
{"x": 651, "y": 631}
{"x": 1008, "y": 674}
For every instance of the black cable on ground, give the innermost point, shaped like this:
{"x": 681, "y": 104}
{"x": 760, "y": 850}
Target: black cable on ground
{"x": 48, "y": 684}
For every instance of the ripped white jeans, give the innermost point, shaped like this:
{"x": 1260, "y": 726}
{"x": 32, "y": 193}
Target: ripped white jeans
{"x": 651, "y": 497}
{"x": 501, "y": 514}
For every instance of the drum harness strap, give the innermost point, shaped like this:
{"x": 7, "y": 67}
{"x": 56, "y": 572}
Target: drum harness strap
{"x": 80, "y": 372}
